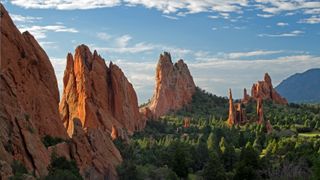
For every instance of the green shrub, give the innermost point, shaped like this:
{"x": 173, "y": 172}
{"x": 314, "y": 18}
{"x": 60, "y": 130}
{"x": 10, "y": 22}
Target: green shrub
{"x": 51, "y": 141}
{"x": 62, "y": 169}
{"x": 18, "y": 169}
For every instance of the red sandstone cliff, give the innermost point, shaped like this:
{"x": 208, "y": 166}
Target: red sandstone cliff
{"x": 174, "y": 87}
{"x": 29, "y": 99}
{"x": 99, "y": 96}
{"x": 264, "y": 90}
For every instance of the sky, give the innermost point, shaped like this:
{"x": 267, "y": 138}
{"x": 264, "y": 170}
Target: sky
{"x": 226, "y": 43}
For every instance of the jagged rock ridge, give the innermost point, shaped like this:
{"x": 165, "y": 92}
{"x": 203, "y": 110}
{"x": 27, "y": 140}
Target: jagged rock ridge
{"x": 174, "y": 88}
{"x": 264, "y": 90}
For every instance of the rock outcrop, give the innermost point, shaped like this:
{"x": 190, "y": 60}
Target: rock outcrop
{"x": 237, "y": 112}
{"x": 260, "y": 111}
{"x": 29, "y": 99}
{"x": 232, "y": 114}
{"x": 174, "y": 87}
{"x": 265, "y": 91}
{"x": 186, "y": 122}
{"x": 99, "y": 96}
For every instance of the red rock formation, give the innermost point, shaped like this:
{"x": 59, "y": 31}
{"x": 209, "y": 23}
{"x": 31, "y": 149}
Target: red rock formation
{"x": 98, "y": 104}
{"x": 241, "y": 115}
{"x": 94, "y": 152}
{"x": 237, "y": 112}
{"x": 186, "y": 122}
{"x": 265, "y": 91}
{"x": 260, "y": 111}
{"x": 174, "y": 86}
{"x": 269, "y": 126}
{"x": 232, "y": 114}
{"x": 246, "y": 97}
{"x": 114, "y": 132}
{"x": 29, "y": 99}
{"x": 98, "y": 95}
{"x": 146, "y": 113}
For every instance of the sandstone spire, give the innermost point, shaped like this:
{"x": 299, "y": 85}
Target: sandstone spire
{"x": 246, "y": 97}
{"x": 231, "y": 119}
{"x": 174, "y": 86}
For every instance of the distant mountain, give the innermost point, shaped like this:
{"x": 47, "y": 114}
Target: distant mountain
{"x": 301, "y": 87}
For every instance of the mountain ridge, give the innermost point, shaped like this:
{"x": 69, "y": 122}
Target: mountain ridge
{"x": 301, "y": 87}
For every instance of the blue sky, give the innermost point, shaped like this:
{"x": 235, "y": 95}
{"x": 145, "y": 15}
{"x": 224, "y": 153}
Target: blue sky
{"x": 226, "y": 43}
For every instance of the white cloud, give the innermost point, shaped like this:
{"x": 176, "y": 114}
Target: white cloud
{"x": 48, "y": 44}
{"x": 311, "y": 20}
{"x": 236, "y": 55}
{"x": 165, "y": 6}
{"x": 213, "y": 17}
{"x": 40, "y": 31}
{"x": 170, "y": 17}
{"x": 312, "y": 11}
{"x": 104, "y": 36}
{"x": 278, "y": 6}
{"x": 265, "y": 15}
{"x": 282, "y": 24}
{"x": 25, "y": 19}
{"x": 288, "y": 34}
{"x": 66, "y": 4}
{"x": 136, "y": 48}
{"x": 123, "y": 41}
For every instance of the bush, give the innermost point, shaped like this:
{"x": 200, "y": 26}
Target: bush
{"x": 51, "y": 141}
{"x": 62, "y": 169}
{"x": 304, "y": 129}
{"x": 18, "y": 169}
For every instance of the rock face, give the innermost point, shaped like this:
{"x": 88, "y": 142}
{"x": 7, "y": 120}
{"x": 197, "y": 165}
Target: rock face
{"x": 99, "y": 96}
{"x": 29, "y": 99}
{"x": 265, "y": 91}
{"x": 94, "y": 152}
{"x": 174, "y": 86}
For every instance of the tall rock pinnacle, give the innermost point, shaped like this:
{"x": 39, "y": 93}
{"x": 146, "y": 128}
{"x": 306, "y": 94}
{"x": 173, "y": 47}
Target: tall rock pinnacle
{"x": 174, "y": 86}
{"x": 232, "y": 115}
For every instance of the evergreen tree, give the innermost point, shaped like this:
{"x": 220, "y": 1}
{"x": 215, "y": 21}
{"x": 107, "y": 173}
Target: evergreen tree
{"x": 179, "y": 163}
{"x": 214, "y": 170}
{"x": 211, "y": 143}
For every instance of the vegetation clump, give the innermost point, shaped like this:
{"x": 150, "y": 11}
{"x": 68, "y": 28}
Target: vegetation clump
{"x": 51, "y": 141}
